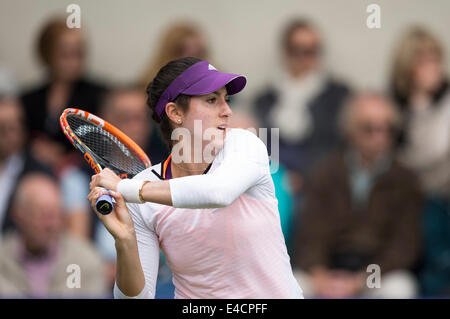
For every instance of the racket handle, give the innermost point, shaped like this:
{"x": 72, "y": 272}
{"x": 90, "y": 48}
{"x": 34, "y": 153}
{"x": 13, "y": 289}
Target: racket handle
{"x": 104, "y": 204}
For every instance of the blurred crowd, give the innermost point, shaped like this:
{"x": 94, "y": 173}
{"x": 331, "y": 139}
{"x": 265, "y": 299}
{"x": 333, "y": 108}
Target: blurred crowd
{"x": 363, "y": 176}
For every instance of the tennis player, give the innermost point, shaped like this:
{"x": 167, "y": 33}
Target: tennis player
{"x": 216, "y": 219}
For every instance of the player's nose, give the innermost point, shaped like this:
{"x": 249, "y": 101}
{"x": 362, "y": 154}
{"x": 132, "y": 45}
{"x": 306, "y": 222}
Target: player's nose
{"x": 227, "y": 111}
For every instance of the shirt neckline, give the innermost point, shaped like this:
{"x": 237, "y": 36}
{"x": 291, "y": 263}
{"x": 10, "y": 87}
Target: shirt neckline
{"x": 167, "y": 168}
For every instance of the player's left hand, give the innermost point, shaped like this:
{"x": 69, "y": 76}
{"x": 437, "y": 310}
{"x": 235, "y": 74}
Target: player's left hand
{"x": 106, "y": 179}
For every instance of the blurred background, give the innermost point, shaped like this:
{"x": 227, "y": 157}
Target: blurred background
{"x": 364, "y": 119}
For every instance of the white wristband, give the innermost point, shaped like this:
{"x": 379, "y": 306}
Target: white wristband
{"x": 129, "y": 188}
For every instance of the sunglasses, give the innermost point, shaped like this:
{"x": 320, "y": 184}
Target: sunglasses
{"x": 371, "y": 129}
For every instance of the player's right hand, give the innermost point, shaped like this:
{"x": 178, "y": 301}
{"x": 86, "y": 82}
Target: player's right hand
{"x": 119, "y": 222}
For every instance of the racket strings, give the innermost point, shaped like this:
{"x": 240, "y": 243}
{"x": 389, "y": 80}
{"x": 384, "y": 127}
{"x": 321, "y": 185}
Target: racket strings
{"x": 114, "y": 154}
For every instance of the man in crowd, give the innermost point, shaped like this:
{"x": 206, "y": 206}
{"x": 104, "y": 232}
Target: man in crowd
{"x": 362, "y": 207}
{"x": 15, "y": 161}
{"x": 40, "y": 259}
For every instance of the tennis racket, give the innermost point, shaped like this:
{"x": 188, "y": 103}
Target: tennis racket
{"x": 103, "y": 145}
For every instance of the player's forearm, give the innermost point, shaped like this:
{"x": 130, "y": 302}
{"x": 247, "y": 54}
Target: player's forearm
{"x": 198, "y": 191}
{"x": 191, "y": 192}
{"x": 205, "y": 191}
{"x": 129, "y": 275}
{"x": 157, "y": 192}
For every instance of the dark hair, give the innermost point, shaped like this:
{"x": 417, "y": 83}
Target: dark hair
{"x": 156, "y": 88}
{"x": 48, "y": 37}
{"x": 294, "y": 25}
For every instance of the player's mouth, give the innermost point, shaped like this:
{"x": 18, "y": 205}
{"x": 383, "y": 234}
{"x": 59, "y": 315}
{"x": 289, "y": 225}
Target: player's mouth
{"x": 223, "y": 127}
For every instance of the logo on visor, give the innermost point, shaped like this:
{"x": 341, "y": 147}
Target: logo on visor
{"x": 210, "y": 67}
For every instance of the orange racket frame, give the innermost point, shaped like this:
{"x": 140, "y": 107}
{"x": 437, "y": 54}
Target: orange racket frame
{"x": 88, "y": 154}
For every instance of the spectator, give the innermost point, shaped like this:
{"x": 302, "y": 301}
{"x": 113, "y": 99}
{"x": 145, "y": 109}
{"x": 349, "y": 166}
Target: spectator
{"x": 362, "y": 207}
{"x": 34, "y": 261}
{"x": 303, "y": 102}
{"x": 422, "y": 91}
{"x": 62, "y": 52}
{"x": 421, "y": 88}
{"x": 15, "y": 160}
{"x": 180, "y": 40}
{"x": 126, "y": 109}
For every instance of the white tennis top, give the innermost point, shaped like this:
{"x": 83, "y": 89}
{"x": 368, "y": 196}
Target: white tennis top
{"x": 222, "y": 238}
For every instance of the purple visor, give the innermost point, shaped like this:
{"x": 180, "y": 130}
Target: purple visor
{"x": 200, "y": 78}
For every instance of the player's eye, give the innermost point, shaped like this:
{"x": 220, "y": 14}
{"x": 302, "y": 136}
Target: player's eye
{"x": 211, "y": 100}
{"x": 227, "y": 99}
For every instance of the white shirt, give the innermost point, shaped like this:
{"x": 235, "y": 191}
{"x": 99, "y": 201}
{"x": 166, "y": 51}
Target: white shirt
{"x": 292, "y": 114}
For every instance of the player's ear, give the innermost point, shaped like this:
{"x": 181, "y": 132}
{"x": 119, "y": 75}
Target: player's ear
{"x": 174, "y": 113}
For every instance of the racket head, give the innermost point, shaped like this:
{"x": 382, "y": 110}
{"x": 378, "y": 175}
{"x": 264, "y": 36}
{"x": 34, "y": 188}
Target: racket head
{"x": 102, "y": 144}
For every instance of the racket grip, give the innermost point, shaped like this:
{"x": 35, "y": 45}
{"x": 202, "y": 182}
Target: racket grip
{"x": 104, "y": 204}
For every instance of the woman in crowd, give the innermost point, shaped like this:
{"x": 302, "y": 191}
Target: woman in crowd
{"x": 180, "y": 40}
{"x": 421, "y": 88}
{"x": 62, "y": 52}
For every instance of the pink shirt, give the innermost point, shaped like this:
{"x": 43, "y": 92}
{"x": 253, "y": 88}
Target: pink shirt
{"x": 38, "y": 268}
{"x": 222, "y": 238}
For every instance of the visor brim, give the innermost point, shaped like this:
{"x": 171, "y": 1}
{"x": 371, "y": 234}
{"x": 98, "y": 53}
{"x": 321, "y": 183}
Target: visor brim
{"x": 234, "y": 83}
